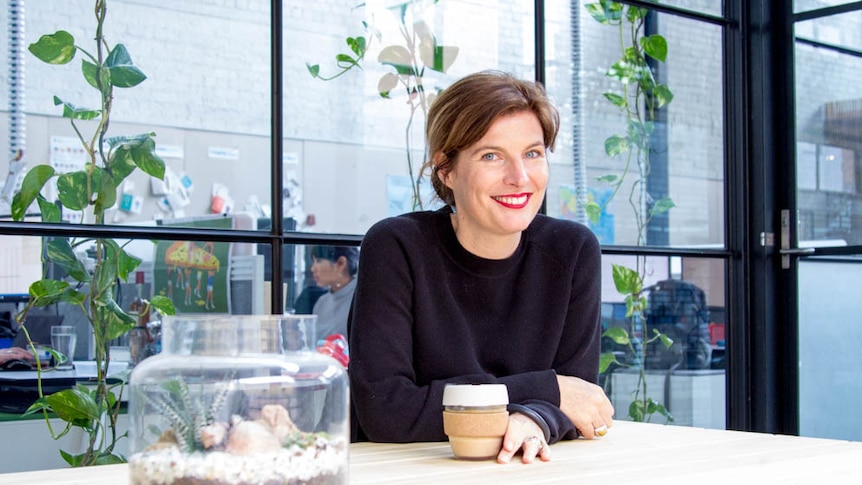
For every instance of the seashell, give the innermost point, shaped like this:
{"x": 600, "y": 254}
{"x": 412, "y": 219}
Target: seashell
{"x": 276, "y": 417}
{"x": 168, "y": 439}
{"x": 251, "y": 437}
{"x": 212, "y": 435}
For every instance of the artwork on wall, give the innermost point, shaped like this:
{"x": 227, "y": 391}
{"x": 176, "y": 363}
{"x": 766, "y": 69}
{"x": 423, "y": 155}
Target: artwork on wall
{"x": 195, "y": 275}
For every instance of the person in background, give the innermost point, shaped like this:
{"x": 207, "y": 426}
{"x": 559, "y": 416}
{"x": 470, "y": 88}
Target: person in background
{"x": 334, "y": 267}
{"x": 483, "y": 290}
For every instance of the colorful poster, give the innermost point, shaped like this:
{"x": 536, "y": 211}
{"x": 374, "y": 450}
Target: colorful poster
{"x": 195, "y": 275}
{"x": 604, "y": 227}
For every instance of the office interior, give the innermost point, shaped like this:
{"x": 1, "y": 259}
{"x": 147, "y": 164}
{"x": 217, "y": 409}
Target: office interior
{"x": 754, "y": 266}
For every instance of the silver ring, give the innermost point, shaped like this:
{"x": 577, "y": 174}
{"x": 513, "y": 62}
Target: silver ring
{"x": 537, "y": 440}
{"x": 601, "y": 430}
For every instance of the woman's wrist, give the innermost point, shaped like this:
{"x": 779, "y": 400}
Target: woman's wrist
{"x": 532, "y": 414}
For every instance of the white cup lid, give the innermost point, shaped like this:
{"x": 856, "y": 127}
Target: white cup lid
{"x": 475, "y": 395}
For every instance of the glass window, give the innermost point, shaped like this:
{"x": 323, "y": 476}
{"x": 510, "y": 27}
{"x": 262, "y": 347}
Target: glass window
{"x": 675, "y": 346}
{"x": 828, "y": 362}
{"x": 664, "y": 189}
{"x": 206, "y": 97}
{"x": 829, "y": 150}
{"x": 355, "y": 154}
{"x": 805, "y": 5}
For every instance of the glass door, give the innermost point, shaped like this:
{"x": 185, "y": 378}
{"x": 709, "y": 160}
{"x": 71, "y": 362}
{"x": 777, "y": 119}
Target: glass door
{"x": 821, "y": 240}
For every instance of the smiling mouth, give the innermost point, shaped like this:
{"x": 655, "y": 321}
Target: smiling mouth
{"x": 518, "y": 201}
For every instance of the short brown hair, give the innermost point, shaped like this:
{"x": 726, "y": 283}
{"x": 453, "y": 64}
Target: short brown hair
{"x": 463, "y": 113}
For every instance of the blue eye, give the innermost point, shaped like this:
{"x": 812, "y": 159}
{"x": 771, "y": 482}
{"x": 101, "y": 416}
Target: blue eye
{"x": 489, "y": 157}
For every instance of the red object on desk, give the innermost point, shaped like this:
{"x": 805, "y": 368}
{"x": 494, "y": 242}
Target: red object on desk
{"x": 335, "y": 346}
{"x": 716, "y": 333}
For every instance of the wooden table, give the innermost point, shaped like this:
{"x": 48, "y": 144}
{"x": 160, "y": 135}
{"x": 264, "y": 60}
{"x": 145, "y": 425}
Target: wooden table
{"x": 630, "y": 453}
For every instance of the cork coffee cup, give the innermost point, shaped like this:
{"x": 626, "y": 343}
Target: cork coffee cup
{"x": 475, "y": 419}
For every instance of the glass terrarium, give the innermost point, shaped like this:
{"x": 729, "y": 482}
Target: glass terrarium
{"x": 239, "y": 399}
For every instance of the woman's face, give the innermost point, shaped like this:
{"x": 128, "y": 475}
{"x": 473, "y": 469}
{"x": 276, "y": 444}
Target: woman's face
{"x": 499, "y": 182}
{"x": 325, "y": 271}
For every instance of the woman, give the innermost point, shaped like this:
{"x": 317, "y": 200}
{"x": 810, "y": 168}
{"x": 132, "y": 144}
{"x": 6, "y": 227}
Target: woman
{"x": 483, "y": 290}
{"x": 334, "y": 267}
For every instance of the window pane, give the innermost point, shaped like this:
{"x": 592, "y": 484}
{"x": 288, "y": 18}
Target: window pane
{"x": 828, "y": 355}
{"x": 829, "y": 149}
{"x": 712, "y": 7}
{"x": 685, "y": 303}
{"x": 686, "y": 149}
{"x": 353, "y": 154}
{"x": 206, "y": 97}
{"x": 805, "y": 5}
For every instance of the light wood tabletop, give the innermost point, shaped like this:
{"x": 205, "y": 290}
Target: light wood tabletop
{"x": 629, "y": 453}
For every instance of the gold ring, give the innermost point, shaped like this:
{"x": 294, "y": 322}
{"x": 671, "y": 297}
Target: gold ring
{"x": 601, "y": 430}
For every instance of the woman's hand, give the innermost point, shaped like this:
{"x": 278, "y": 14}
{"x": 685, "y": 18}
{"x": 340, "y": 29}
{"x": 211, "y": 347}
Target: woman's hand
{"x": 586, "y": 405}
{"x": 523, "y": 433}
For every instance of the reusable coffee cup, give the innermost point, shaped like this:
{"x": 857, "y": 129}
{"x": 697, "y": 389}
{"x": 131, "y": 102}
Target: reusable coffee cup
{"x": 475, "y": 419}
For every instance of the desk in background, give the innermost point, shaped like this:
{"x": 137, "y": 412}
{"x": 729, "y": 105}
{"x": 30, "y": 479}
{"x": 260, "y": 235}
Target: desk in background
{"x": 631, "y": 453}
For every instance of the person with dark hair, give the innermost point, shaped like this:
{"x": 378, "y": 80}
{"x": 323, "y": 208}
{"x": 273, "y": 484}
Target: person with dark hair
{"x": 334, "y": 267}
{"x": 483, "y": 290}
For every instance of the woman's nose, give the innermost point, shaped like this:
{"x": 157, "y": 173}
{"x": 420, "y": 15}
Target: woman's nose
{"x": 516, "y": 171}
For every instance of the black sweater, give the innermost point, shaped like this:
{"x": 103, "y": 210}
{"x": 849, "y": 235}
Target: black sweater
{"x": 427, "y": 312}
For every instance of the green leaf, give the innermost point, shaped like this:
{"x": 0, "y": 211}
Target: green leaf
{"x": 661, "y": 206}
{"x": 119, "y": 322}
{"x": 109, "y": 459}
{"x": 57, "y": 48}
{"x": 48, "y": 292}
{"x": 90, "y": 71}
{"x": 386, "y": 84}
{"x": 616, "y": 99}
{"x": 618, "y": 334}
{"x": 594, "y": 211}
{"x": 314, "y": 70}
{"x": 124, "y": 74}
{"x": 665, "y": 340}
{"x": 358, "y": 45}
{"x": 662, "y": 95}
{"x": 72, "y": 405}
{"x": 126, "y": 263}
{"x": 107, "y": 192}
{"x": 636, "y": 410}
{"x": 606, "y": 360}
{"x": 655, "y": 46}
{"x": 626, "y": 280}
{"x": 76, "y": 113}
{"x": 163, "y": 305}
{"x": 605, "y": 12}
{"x": 36, "y": 407}
{"x": 72, "y": 190}
{"x": 50, "y": 211}
{"x": 32, "y": 184}
{"x": 135, "y": 151}
{"x": 60, "y": 253}
{"x": 144, "y": 156}
{"x": 615, "y": 145}
{"x": 608, "y": 178}
{"x": 105, "y": 274}
{"x": 434, "y": 56}
{"x": 634, "y": 14}
{"x": 73, "y": 460}
{"x": 398, "y": 57}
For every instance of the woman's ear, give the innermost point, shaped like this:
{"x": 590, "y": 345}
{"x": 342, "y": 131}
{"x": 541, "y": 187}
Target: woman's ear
{"x": 442, "y": 174}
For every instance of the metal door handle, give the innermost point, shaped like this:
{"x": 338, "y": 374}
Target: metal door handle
{"x": 797, "y": 251}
